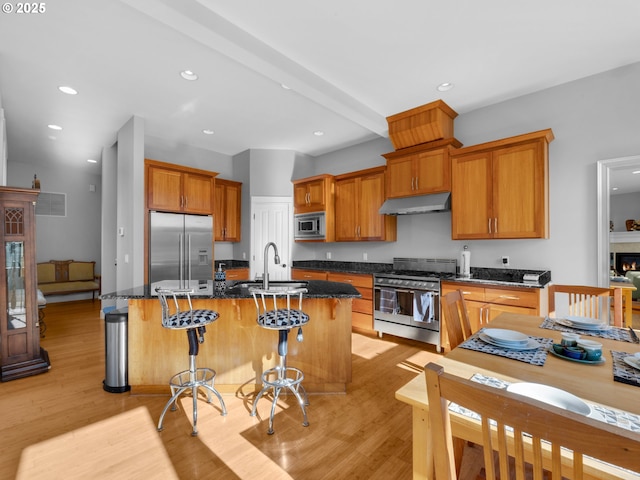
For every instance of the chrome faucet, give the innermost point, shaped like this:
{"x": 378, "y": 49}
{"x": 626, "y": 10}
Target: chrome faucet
{"x": 276, "y": 259}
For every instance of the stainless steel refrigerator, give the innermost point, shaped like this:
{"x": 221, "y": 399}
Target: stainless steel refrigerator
{"x": 180, "y": 251}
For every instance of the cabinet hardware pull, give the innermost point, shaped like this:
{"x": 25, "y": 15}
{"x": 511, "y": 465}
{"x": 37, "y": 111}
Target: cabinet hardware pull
{"x": 490, "y": 226}
{"x": 417, "y": 187}
{"x": 412, "y": 184}
{"x": 495, "y": 224}
{"x": 510, "y": 297}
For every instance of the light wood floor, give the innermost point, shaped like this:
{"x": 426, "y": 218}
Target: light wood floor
{"x": 63, "y": 419}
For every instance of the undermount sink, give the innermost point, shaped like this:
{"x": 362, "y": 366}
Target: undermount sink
{"x": 278, "y": 285}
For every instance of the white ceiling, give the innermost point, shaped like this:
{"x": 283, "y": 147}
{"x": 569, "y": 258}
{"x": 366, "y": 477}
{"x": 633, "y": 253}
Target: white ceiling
{"x": 349, "y": 65}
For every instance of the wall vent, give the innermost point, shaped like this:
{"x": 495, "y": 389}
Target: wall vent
{"x": 52, "y": 204}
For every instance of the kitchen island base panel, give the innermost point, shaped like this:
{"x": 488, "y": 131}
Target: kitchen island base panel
{"x": 239, "y": 349}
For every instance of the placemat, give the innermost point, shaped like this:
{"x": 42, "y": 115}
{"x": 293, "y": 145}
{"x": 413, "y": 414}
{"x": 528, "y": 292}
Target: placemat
{"x": 613, "y": 333}
{"x": 535, "y": 356}
{"x": 622, "y": 372}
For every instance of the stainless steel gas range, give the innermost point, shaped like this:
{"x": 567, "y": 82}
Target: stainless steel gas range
{"x": 407, "y": 299}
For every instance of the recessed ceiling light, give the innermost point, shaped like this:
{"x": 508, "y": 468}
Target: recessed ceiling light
{"x": 636, "y": 172}
{"x": 284, "y": 86}
{"x": 208, "y": 131}
{"x": 443, "y": 87}
{"x": 614, "y": 188}
{"x": 318, "y": 133}
{"x": 91, "y": 160}
{"x": 54, "y": 127}
{"x": 68, "y": 90}
{"x": 188, "y": 75}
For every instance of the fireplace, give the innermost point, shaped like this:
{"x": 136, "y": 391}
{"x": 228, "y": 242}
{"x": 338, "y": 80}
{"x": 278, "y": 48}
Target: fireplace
{"x": 627, "y": 261}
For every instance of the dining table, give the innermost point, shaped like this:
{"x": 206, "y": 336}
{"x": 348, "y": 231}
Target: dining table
{"x": 610, "y": 387}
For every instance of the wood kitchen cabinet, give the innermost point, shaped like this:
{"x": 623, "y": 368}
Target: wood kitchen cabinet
{"x": 361, "y": 308}
{"x": 20, "y": 351}
{"x": 420, "y": 170}
{"x": 302, "y": 274}
{"x": 501, "y": 189}
{"x": 359, "y": 196}
{"x": 237, "y": 274}
{"x": 174, "y": 188}
{"x": 313, "y": 194}
{"x": 486, "y": 302}
{"x": 227, "y": 208}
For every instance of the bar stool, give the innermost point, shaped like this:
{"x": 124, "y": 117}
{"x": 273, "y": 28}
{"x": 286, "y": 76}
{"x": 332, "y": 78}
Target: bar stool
{"x": 283, "y": 320}
{"x": 194, "y": 322}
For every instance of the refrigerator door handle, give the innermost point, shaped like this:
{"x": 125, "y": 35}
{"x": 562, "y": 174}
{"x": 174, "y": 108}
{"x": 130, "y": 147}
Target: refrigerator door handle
{"x": 181, "y": 259}
{"x": 188, "y": 260}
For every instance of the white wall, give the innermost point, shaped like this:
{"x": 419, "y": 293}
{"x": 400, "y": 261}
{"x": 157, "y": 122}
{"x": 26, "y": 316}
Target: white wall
{"x": 593, "y": 119}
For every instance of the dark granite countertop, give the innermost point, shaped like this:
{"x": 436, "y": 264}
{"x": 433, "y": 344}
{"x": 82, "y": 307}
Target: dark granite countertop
{"x": 485, "y": 276}
{"x": 238, "y": 289}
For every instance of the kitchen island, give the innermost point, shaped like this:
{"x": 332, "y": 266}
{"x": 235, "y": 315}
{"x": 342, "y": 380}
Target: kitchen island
{"x": 235, "y": 346}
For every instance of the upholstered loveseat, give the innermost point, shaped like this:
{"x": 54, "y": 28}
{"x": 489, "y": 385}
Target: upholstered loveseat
{"x": 634, "y": 276}
{"x": 64, "y": 277}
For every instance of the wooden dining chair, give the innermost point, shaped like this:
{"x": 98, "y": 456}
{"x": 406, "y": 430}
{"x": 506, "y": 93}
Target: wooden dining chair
{"x": 456, "y": 318}
{"x": 520, "y": 434}
{"x": 587, "y": 301}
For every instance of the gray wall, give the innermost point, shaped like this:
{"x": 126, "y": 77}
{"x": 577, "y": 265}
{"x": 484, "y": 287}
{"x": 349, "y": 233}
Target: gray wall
{"x": 593, "y": 119}
{"x": 624, "y": 207}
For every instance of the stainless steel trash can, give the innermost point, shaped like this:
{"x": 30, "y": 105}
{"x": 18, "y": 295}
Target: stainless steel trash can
{"x": 116, "y": 351}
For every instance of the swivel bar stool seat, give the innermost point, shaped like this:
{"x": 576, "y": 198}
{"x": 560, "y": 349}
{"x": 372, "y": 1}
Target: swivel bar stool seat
{"x": 194, "y": 322}
{"x": 283, "y": 320}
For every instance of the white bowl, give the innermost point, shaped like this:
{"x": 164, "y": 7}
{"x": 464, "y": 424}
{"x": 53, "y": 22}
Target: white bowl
{"x": 589, "y": 344}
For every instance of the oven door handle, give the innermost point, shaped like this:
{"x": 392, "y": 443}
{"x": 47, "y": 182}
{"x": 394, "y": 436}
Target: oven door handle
{"x": 397, "y": 290}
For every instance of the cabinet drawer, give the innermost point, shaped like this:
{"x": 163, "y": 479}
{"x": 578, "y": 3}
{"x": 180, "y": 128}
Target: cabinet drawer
{"x": 237, "y": 274}
{"x": 365, "y": 281}
{"x": 362, "y": 321}
{"x": 362, "y": 306}
{"x": 471, "y": 293}
{"x": 299, "y": 274}
{"x": 527, "y": 298}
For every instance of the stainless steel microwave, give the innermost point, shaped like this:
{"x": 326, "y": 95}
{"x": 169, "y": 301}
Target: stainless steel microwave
{"x": 310, "y": 226}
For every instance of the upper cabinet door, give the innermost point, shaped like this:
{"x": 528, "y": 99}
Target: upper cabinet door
{"x": 227, "y": 210}
{"x": 164, "y": 189}
{"x": 347, "y": 221}
{"x": 198, "y": 193}
{"x": 519, "y": 192}
{"x": 371, "y": 198}
{"x": 401, "y": 177}
{"x": 471, "y": 196}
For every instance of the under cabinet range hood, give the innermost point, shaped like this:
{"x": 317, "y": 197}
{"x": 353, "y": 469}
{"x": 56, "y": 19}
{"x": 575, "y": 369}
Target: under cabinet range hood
{"x": 436, "y": 202}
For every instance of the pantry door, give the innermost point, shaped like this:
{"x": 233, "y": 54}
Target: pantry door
{"x": 272, "y": 221}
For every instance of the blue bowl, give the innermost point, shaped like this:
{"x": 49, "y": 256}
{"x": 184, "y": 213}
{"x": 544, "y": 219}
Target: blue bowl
{"x": 576, "y": 353}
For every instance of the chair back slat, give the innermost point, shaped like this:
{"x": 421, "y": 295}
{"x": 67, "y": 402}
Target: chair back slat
{"x": 456, "y": 318}
{"x": 583, "y": 301}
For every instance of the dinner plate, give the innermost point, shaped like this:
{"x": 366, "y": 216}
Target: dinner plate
{"x": 585, "y": 321}
{"x": 593, "y": 328}
{"x": 551, "y": 395}
{"x": 530, "y": 345}
{"x": 600, "y": 361}
{"x": 506, "y": 337}
{"x": 632, "y": 361}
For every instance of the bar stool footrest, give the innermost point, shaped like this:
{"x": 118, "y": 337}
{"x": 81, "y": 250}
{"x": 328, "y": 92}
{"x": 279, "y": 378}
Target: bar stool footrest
{"x": 203, "y": 376}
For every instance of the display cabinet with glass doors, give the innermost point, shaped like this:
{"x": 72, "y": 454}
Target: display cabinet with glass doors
{"x": 20, "y": 351}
